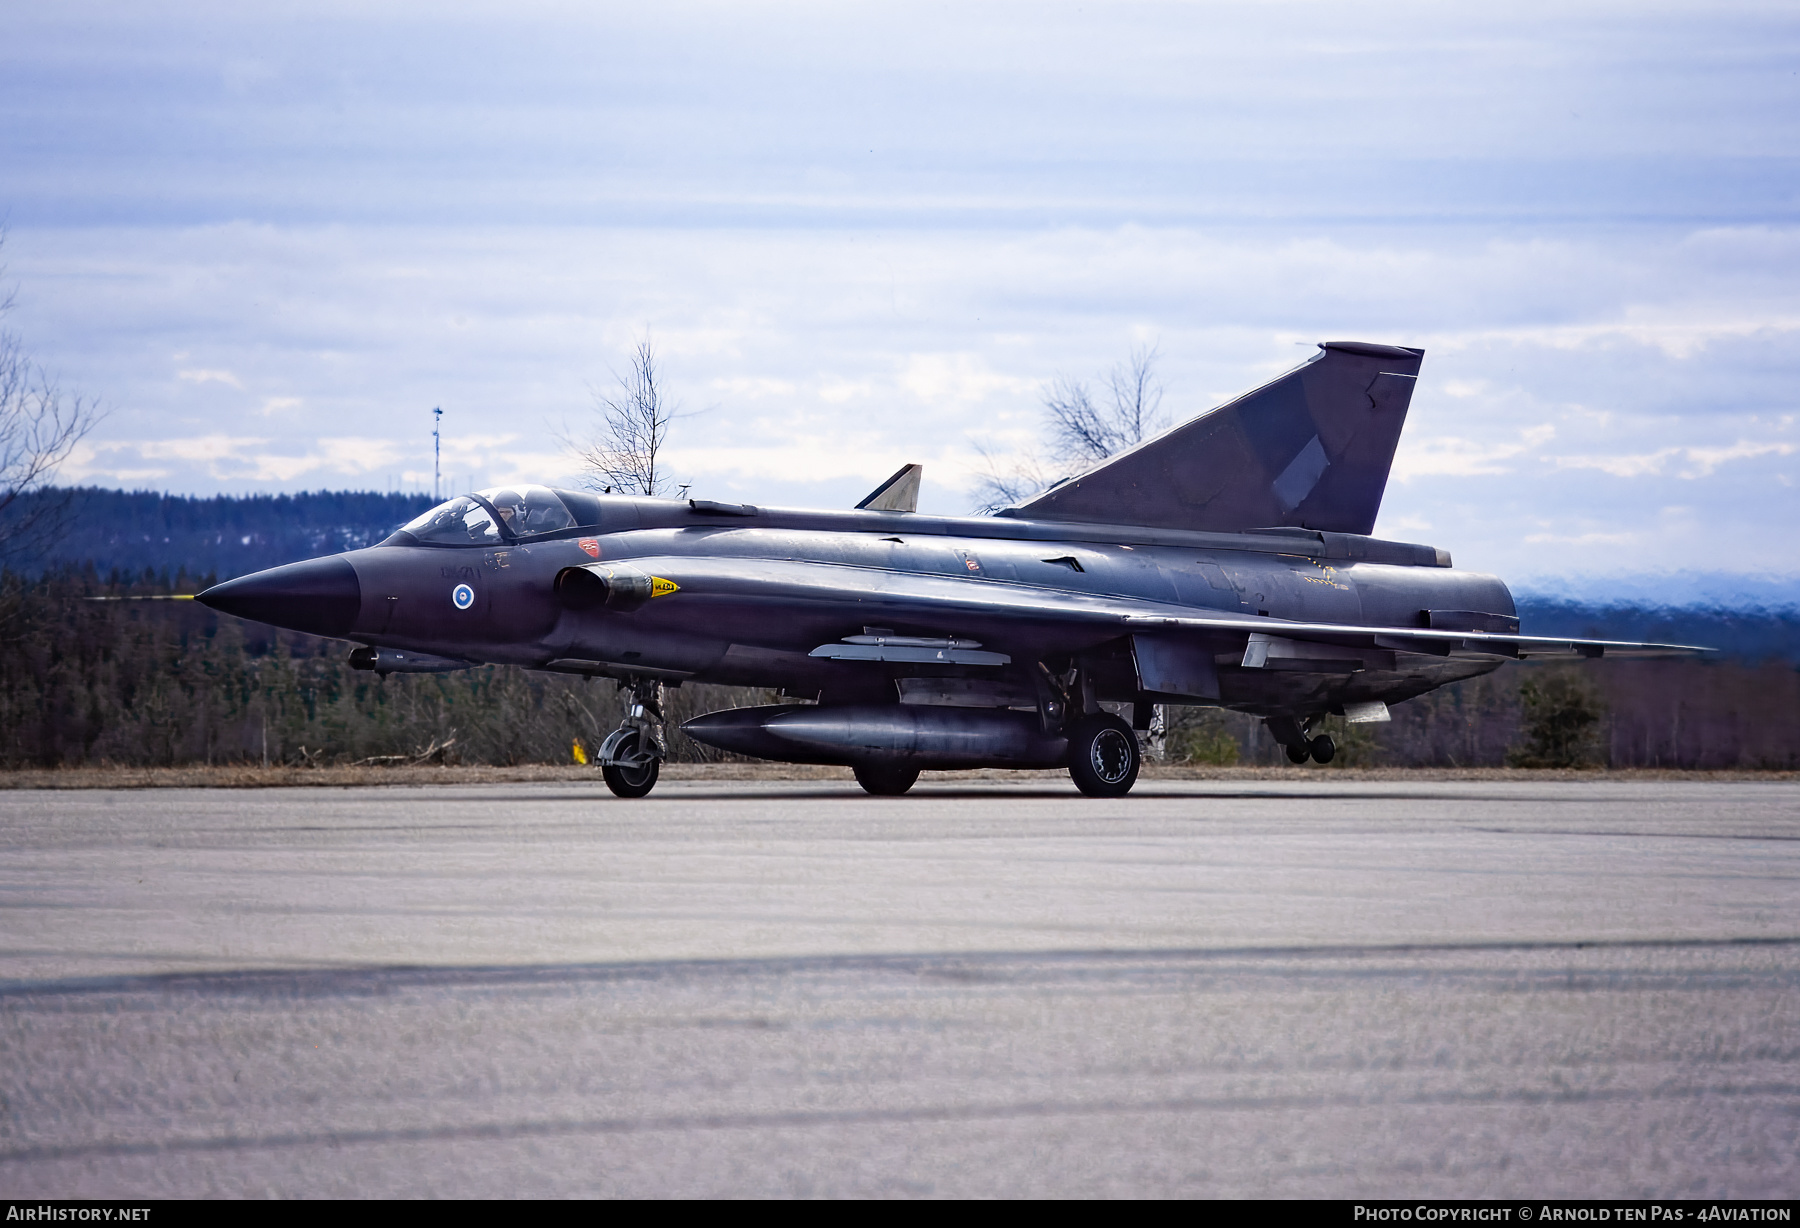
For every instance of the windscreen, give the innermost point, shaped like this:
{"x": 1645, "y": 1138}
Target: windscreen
{"x": 460, "y": 522}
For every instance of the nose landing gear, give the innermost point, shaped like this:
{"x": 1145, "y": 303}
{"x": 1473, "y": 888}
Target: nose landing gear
{"x": 631, "y": 757}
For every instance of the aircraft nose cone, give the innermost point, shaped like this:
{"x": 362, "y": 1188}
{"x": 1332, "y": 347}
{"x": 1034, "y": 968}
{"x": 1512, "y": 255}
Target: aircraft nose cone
{"x": 319, "y": 596}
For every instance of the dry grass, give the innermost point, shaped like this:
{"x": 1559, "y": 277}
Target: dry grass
{"x": 244, "y": 776}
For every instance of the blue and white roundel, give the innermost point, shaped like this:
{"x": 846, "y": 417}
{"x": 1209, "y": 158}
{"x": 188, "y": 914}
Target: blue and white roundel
{"x": 463, "y": 596}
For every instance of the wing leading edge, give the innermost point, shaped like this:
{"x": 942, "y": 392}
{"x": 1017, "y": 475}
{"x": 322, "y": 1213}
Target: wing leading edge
{"x": 949, "y": 605}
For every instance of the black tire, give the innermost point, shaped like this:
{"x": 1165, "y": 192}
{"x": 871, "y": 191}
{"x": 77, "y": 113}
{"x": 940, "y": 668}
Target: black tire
{"x": 1323, "y": 748}
{"x": 1299, "y": 754}
{"x": 631, "y": 781}
{"x": 883, "y": 780}
{"x": 1103, "y": 756}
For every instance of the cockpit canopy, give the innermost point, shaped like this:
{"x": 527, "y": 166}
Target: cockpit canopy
{"x": 503, "y": 514}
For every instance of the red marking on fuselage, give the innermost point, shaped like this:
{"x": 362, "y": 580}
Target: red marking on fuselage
{"x": 591, "y": 546}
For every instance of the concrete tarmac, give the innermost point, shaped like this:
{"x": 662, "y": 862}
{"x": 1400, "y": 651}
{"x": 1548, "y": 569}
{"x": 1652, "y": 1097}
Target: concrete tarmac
{"x": 1320, "y": 988}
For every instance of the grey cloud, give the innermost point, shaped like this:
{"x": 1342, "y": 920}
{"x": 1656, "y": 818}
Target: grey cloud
{"x": 1024, "y": 114}
{"x": 866, "y": 234}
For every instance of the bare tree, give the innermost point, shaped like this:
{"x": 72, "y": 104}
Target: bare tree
{"x": 1005, "y": 483}
{"x": 623, "y": 454}
{"x": 1081, "y": 432}
{"x": 1137, "y": 398}
{"x": 40, "y": 425}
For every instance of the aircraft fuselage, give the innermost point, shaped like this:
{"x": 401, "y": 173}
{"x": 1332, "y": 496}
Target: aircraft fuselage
{"x": 958, "y": 642}
{"x": 756, "y": 591}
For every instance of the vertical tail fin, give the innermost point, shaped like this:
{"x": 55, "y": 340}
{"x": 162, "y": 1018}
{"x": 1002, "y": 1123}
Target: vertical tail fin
{"x": 1310, "y": 449}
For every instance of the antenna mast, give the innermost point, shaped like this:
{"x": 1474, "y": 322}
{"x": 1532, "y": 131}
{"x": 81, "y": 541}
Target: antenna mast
{"x": 437, "y": 453}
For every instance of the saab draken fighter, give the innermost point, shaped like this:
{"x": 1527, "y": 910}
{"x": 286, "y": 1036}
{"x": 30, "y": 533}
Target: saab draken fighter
{"x": 1227, "y": 562}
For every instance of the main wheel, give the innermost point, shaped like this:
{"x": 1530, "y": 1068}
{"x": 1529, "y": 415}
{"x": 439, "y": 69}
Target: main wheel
{"x": 885, "y": 781}
{"x": 1299, "y": 754}
{"x": 633, "y": 781}
{"x": 1103, "y": 756}
{"x": 1323, "y": 748}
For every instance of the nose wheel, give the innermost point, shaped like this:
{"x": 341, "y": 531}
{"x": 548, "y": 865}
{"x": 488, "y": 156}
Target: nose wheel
{"x": 633, "y": 774}
{"x": 631, "y": 757}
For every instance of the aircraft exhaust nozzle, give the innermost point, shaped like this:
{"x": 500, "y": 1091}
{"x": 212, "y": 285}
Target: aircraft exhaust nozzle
{"x": 397, "y": 661}
{"x": 910, "y": 735}
{"x": 616, "y": 588}
{"x": 319, "y": 596}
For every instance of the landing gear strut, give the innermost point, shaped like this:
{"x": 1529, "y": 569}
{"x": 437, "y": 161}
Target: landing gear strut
{"x": 1104, "y": 755}
{"x": 631, "y": 757}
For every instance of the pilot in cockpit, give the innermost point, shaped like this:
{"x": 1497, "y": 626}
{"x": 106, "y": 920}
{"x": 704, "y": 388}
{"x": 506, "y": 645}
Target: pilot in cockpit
{"x": 526, "y": 511}
{"x": 512, "y": 510}
{"x": 518, "y": 512}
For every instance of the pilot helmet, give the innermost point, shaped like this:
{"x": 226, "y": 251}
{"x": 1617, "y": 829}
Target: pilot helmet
{"x": 511, "y": 506}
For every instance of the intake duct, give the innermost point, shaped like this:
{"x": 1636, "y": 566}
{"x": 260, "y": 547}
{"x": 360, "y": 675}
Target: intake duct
{"x": 606, "y": 587}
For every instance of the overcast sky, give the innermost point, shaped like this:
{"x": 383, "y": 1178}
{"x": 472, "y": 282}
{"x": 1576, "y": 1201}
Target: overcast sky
{"x": 270, "y": 241}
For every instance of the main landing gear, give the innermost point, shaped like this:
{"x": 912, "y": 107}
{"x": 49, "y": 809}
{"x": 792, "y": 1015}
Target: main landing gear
{"x": 1291, "y": 733}
{"x": 631, "y": 757}
{"x": 1320, "y": 749}
{"x": 1103, "y": 756}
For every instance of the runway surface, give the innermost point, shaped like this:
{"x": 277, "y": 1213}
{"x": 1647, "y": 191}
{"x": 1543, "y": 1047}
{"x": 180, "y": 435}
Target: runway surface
{"x": 1319, "y": 988}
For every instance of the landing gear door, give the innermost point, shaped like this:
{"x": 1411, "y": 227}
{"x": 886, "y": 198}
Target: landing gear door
{"x": 1168, "y": 665}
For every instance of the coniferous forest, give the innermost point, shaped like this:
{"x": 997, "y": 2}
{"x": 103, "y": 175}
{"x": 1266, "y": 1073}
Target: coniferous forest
{"x": 88, "y": 679}
{"x": 142, "y": 531}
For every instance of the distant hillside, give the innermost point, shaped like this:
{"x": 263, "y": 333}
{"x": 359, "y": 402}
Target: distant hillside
{"x": 141, "y": 533}
{"x": 1741, "y": 634}
{"x": 222, "y": 536}
{"x": 173, "y": 682}
{"x": 1682, "y": 588}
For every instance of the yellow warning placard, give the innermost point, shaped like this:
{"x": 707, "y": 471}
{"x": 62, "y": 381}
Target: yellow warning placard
{"x": 660, "y": 587}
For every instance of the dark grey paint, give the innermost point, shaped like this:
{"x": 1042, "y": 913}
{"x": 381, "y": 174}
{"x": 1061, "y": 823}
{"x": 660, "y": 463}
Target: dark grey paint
{"x": 1084, "y": 606}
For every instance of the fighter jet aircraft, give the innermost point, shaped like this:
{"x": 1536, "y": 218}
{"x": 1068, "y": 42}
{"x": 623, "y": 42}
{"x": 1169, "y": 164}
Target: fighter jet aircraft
{"x": 1226, "y": 562}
